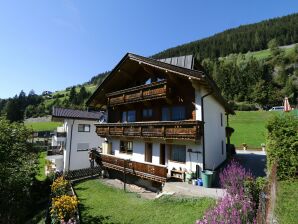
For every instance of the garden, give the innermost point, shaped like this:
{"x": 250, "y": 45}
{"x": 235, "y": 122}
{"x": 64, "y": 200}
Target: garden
{"x": 100, "y": 203}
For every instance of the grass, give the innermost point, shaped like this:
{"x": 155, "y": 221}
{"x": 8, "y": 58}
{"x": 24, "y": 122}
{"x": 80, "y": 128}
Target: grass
{"x": 263, "y": 54}
{"x": 249, "y": 127}
{"x": 41, "y": 176}
{"x": 43, "y": 126}
{"x": 287, "y": 197}
{"x": 103, "y": 204}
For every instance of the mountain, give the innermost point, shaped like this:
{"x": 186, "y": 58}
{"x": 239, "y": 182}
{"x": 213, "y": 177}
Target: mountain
{"x": 253, "y": 37}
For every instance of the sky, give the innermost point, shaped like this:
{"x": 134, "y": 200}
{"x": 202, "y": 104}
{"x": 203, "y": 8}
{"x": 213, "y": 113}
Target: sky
{"x": 54, "y": 44}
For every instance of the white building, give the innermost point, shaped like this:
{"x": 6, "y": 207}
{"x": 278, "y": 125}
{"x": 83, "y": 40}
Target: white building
{"x": 71, "y": 141}
{"x": 164, "y": 118}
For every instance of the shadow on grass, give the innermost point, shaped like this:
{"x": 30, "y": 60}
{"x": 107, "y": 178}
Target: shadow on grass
{"x": 91, "y": 219}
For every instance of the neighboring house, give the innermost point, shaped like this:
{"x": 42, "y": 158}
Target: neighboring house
{"x": 71, "y": 142}
{"x": 164, "y": 118}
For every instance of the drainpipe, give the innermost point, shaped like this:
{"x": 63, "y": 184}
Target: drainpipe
{"x": 203, "y": 120}
{"x": 70, "y": 145}
{"x": 228, "y": 137}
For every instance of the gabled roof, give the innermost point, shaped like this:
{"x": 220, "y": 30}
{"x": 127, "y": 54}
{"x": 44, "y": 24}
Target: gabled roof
{"x": 186, "y": 61}
{"x": 198, "y": 75}
{"x": 75, "y": 114}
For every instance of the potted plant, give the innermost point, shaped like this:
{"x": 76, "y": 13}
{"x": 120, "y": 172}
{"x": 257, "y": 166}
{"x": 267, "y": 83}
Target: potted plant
{"x": 263, "y": 147}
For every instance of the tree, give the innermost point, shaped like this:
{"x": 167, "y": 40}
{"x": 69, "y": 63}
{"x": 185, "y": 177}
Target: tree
{"x": 73, "y": 96}
{"x": 18, "y": 167}
{"x": 82, "y": 96}
{"x": 13, "y": 110}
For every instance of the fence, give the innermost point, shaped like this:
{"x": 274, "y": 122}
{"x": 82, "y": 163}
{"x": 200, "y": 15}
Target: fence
{"x": 265, "y": 213}
{"x": 81, "y": 173}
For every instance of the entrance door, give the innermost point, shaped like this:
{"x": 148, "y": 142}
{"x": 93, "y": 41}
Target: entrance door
{"x": 162, "y": 154}
{"x": 148, "y": 152}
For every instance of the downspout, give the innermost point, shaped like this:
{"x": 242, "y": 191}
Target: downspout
{"x": 228, "y": 137}
{"x": 70, "y": 145}
{"x": 203, "y": 121}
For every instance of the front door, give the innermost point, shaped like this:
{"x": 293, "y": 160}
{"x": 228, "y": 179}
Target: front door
{"x": 162, "y": 155}
{"x": 148, "y": 152}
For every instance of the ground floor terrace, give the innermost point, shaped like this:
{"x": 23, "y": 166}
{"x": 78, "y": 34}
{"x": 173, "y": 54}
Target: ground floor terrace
{"x": 153, "y": 160}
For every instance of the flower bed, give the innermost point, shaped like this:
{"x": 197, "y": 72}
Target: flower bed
{"x": 240, "y": 203}
{"x": 64, "y": 203}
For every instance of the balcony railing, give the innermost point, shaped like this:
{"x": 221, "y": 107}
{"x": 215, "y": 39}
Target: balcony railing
{"x": 152, "y": 91}
{"x": 55, "y": 150}
{"x": 148, "y": 171}
{"x": 185, "y": 129}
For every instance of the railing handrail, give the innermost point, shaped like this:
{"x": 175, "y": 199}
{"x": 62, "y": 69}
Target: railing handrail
{"x": 145, "y": 86}
{"x": 131, "y": 160}
{"x": 153, "y": 123}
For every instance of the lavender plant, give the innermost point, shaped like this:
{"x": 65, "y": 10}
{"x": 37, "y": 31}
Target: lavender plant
{"x": 237, "y": 206}
{"x": 233, "y": 177}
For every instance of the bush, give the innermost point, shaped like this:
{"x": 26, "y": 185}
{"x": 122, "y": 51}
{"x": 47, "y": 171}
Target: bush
{"x": 63, "y": 208}
{"x": 282, "y": 145}
{"x": 244, "y": 106}
{"x": 237, "y": 206}
{"x": 60, "y": 187}
{"x": 233, "y": 176}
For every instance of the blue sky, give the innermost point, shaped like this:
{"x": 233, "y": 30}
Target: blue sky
{"x": 54, "y": 44}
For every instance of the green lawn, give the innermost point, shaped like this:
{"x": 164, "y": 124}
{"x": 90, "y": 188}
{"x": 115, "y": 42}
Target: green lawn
{"x": 43, "y": 126}
{"x": 249, "y": 127}
{"x": 41, "y": 176}
{"x": 287, "y": 197}
{"x": 102, "y": 204}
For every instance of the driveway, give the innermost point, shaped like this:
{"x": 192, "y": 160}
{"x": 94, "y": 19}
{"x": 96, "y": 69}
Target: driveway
{"x": 255, "y": 161}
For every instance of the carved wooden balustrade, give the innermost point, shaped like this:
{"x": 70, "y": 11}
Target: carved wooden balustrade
{"x": 148, "y": 171}
{"x": 156, "y": 90}
{"x": 185, "y": 129}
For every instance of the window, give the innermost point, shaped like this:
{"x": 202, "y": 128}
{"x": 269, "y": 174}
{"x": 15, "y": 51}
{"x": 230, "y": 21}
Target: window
{"x": 82, "y": 147}
{"x": 221, "y": 119}
{"x": 178, "y": 153}
{"x": 84, "y": 127}
{"x": 147, "y": 113}
{"x": 166, "y": 114}
{"x": 124, "y": 116}
{"x": 126, "y": 147}
{"x": 178, "y": 113}
{"x": 129, "y": 116}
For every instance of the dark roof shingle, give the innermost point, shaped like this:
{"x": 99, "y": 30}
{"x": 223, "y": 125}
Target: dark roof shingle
{"x": 75, "y": 114}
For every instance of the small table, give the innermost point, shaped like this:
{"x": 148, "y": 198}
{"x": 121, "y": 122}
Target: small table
{"x": 179, "y": 174}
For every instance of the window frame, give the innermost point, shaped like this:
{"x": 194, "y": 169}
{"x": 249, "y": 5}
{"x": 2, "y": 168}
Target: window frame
{"x": 171, "y": 154}
{"x": 125, "y": 115}
{"x": 84, "y": 126}
{"x": 126, "y": 144}
{"x": 147, "y": 113}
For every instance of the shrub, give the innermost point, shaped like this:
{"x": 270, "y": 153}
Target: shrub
{"x": 244, "y": 106}
{"x": 233, "y": 176}
{"x": 238, "y": 205}
{"x": 60, "y": 187}
{"x": 64, "y": 208}
{"x": 230, "y": 210}
{"x": 282, "y": 145}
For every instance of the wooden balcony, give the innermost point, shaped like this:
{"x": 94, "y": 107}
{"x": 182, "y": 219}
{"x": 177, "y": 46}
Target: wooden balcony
{"x": 144, "y": 170}
{"x": 157, "y": 90}
{"x": 184, "y": 130}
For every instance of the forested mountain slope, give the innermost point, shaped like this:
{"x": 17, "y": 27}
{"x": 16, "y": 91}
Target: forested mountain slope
{"x": 253, "y": 37}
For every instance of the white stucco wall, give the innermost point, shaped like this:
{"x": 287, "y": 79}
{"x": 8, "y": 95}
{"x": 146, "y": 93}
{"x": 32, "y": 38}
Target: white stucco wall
{"x": 79, "y": 159}
{"x": 213, "y": 131}
{"x": 138, "y": 155}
